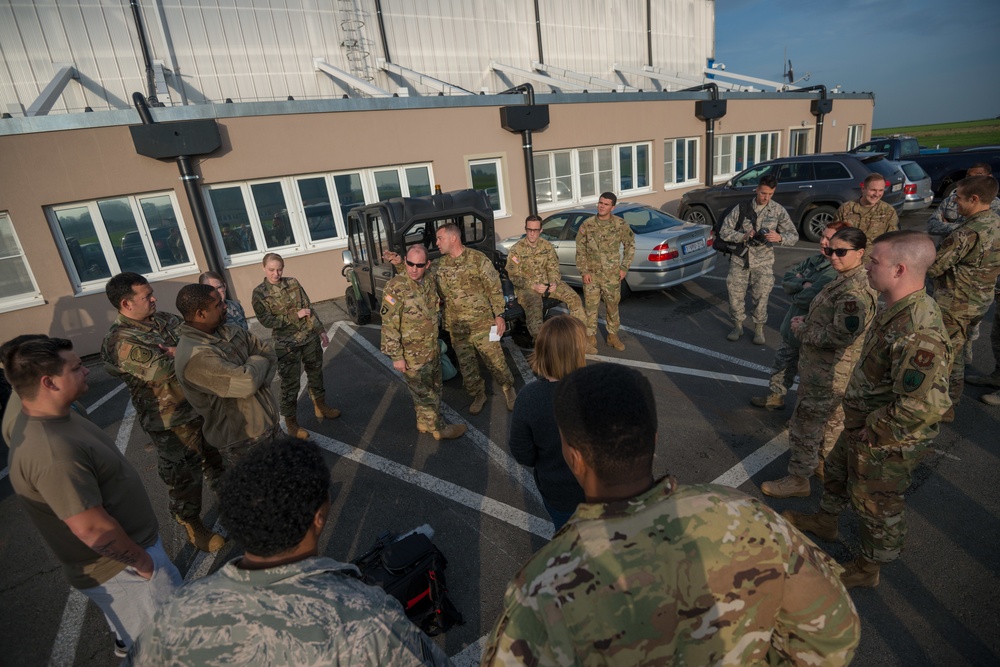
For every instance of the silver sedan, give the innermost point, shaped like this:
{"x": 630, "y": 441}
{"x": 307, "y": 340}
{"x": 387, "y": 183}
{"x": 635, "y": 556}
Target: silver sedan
{"x": 668, "y": 251}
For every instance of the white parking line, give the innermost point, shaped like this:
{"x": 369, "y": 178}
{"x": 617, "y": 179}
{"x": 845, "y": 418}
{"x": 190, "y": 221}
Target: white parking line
{"x": 125, "y": 429}
{"x": 68, "y": 637}
{"x": 694, "y": 348}
{"x": 753, "y": 464}
{"x": 107, "y": 397}
{"x": 680, "y": 370}
{"x": 517, "y": 355}
{"x": 471, "y": 655}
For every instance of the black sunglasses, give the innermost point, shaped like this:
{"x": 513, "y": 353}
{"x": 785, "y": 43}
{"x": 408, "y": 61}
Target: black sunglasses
{"x": 416, "y": 265}
{"x": 839, "y": 252}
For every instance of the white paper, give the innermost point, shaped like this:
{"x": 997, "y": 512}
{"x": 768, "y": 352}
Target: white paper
{"x": 493, "y": 334}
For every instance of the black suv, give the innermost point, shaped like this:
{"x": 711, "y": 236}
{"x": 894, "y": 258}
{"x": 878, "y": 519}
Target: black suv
{"x": 810, "y": 187}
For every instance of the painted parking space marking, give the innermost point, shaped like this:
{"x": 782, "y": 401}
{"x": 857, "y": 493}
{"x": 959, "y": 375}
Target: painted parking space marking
{"x": 680, "y": 370}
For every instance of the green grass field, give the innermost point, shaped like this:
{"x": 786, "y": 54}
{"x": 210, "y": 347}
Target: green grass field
{"x": 950, "y": 135}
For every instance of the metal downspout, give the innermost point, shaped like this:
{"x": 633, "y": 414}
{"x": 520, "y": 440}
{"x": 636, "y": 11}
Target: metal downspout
{"x": 381, "y": 30}
{"x": 147, "y": 56}
{"x": 529, "y": 158}
{"x": 538, "y": 34}
{"x": 196, "y": 198}
{"x": 709, "y": 134}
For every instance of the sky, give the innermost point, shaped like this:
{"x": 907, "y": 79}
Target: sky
{"x": 927, "y": 61}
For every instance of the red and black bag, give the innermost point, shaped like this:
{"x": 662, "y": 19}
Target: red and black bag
{"x": 411, "y": 569}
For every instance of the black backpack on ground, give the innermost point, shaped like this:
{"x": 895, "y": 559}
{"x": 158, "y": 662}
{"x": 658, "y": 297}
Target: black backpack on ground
{"x": 411, "y": 569}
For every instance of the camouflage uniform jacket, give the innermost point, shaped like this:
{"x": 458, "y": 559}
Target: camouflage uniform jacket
{"x": 227, "y": 378}
{"x": 899, "y": 389}
{"x": 772, "y": 216}
{"x": 967, "y": 265}
{"x": 470, "y": 287}
{"x": 946, "y": 217}
{"x": 235, "y": 315}
{"x": 310, "y": 613}
{"x": 528, "y": 266}
{"x": 603, "y": 248}
{"x": 276, "y": 307}
{"x": 834, "y": 330}
{"x": 131, "y": 351}
{"x": 872, "y": 220}
{"x": 679, "y": 575}
{"x": 410, "y": 315}
{"x": 816, "y": 270}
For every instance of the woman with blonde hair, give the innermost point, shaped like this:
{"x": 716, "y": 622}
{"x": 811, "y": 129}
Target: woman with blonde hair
{"x": 560, "y": 349}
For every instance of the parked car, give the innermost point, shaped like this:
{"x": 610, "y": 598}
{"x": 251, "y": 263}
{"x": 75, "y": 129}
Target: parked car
{"x": 810, "y": 187}
{"x": 917, "y": 190}
{"x": 668, "y": 251}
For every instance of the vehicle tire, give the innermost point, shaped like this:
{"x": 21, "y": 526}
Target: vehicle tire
{"x": 699, "y": 215}
{"x": 948, "y": 189}
{"x": 358, "y": 310}
{"x": 815, "y": 221}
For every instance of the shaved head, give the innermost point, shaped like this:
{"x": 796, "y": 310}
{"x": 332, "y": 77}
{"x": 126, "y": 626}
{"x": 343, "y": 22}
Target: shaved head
{"x": 908, "y": 247}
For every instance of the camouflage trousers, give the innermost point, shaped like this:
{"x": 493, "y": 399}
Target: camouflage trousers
{"x": 424, "y": 384}
{"x": 759, "y": 278}
{"x": 291, "y": 359}
{"x": 531, "y": 301}
{"x": 995, "y": 340}
{"x": 466, "y": 345}
{"x": 873, "y": 480}
{"x": 958, "y": 328}
{"x": 234, "y": 452}
{"x": 609, "y": 289}
{"x": 183, "y": 458}
{"x": 816, "y": 423}
{"x": 786, "y": 365}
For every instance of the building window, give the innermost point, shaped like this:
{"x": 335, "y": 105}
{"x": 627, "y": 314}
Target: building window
{"x": 17, "y": 285}
{"x": 680, "y": 161}
{"x": 297, "y": 213}
{"x": 855, "y": 136}
{"x": 138, "y": 233}
{"x": 736, "y": 152}
{"x": 487, "y": 175}
{"x": 798, "y": 142}
{"x": 582, "y": 174}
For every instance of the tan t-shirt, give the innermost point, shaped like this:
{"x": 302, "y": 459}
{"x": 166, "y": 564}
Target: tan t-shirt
{"x": 62, "y": 466}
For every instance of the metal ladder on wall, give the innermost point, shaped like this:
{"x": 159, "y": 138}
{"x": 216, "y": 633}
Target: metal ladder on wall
{"x": 352, "y": 27}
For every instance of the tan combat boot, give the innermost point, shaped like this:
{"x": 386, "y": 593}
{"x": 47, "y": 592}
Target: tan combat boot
{"x": 510, "y": 396}
{"x": 615, "y": 342}
{"x": 821, "y": 524}
{"x": 478, "y": 403}
{"x": 201, "y": 537}
{"x": 771, "y": 402}
{"x": 991, "y": 399}
{"x": 736, "y": 333}
{"x": 860, "y": 573}
{"x": 323, "y": 410}
{"x": 294, "y": 430}
{"x": 758, "y": 335}
{"x": 591, "y": 344}
{"x": 793, "y": 486}
{"x": 449, "y": 432}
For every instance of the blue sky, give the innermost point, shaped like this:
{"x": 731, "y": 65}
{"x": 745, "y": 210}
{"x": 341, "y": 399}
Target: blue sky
{"x": 927, "y": 61}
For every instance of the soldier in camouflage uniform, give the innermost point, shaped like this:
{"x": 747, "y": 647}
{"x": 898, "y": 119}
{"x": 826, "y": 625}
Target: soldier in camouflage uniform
{"x": 946, "y": 217}
{"x": 966, "y": 270}
{"x": 410, "y": 308}
{"x": 831, "y": 335}
{"x": 754, "y": 266}
{"x": 605, "y": 246}
{"x": 894, "y": 401}
{"x": 139, "y": 349}
{"x": 299, "y": 339}
{"x": 802, "y": 283}
{"x": 234, "y": 311}
{"x": 661, "y": 573}
{"x": 469, "y": 284}
{"x": 280, "y": 603}
{"x": 869, "y": 213}
{"x": 533, "y": 267}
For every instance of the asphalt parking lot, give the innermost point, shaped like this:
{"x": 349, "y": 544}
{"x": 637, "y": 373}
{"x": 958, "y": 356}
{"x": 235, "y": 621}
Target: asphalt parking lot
{"x": 938, "y": 605}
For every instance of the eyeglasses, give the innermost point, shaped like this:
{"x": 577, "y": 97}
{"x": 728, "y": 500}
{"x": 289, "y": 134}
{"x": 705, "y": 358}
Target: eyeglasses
{"x": 839, "y": 252}
{"x": 416, "y": 265}
{"x": 532, "y": 230}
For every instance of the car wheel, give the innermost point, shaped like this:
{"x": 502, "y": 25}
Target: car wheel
{"x": 358, "y": 310}
{"x": 816, "y": 221}
{"x": 699, "y": 215}
{"x": 948, "y": 189}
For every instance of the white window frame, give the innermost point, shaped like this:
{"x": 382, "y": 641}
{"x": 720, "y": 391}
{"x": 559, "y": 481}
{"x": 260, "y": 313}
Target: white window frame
{"x": 498, "y": 163}
{"x": 303, "y": 244}
{"x": 855, "y": 135}
{"x": 729, "y": 170}
{"x": 82, "y": 287}
{"x": 24, "y": 299}
{"x": 809, "y": 142}
{"x": 670, "y": 158}
{"x": 574, "y": 153}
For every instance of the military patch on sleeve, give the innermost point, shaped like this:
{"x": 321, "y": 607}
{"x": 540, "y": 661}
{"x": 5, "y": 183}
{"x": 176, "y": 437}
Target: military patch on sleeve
{"x": 852, "y": 322}
{"x": 385, "y": 309}
{"x": 912, "y": 379}
{"x": 140, "y": 355}
{"x": 923, "y": 359}
{"x": 515, "y": 259}
{"x": 390, "y": 299}
{"x": 851, "y": 307}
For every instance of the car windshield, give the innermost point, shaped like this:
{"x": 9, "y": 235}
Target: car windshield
{"x": 886, "y": 168}
{"x": 644, "y": 220}
{"x": 914, "y": 171}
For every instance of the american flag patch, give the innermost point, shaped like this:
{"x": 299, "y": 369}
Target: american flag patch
{"x": 391, "y": 301}
{"x": 516, "y": 260}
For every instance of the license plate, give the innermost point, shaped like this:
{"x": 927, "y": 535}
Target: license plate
{"x": 691, "y": 247}
{"x": 897, "y": 187}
